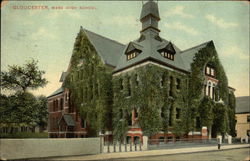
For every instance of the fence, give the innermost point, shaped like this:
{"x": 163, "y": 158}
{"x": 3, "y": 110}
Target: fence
{"x": 179, "y": 143}
{"x": 115, "y": 146}
{"x": 37, "y": 148}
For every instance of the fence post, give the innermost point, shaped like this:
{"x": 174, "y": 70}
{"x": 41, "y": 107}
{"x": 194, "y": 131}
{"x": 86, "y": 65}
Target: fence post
{"x": 125, "y": 146}
{"x": 114, "y": 146}
{"x": 108, "y": 147}
{"x": 120, "y": 148}
{"x": 135, "y": 147}
{"x": 130, "y": 146}
{"x": 229, "y": 139}
{"x": 145, "y": 143}
{"x": 101, "y": 143}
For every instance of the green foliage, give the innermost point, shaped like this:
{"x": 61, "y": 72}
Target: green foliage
{"x": 220, "y": 124}
{"x": 89, "y": 82}
{"x": 42, "y": 110}
{"x": 20, "y": 78}
{"x": 205, "y": 108}
{"x": 107, "y": 102}
{"x": 149, "y": 87}
{"x": 178, "y": 129}
{"x": 23, "y": 109}
{"x": 24, "y": 135}
{"x": 231, "y": 114}
{"x": 206, "y": 112}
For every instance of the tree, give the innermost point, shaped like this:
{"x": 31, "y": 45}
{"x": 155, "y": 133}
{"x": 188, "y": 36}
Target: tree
{"x": 42, "y": 111}
{"x": 206, "y": 113}
{"x": 20, "y": 78}
{"x": 23, "y": 108}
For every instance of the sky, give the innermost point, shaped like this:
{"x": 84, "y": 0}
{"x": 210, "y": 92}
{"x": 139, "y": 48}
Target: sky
{"x": 48, "y": 35}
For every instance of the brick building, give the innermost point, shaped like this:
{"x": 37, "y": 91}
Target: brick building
{"x": 149, "y": 50}
{"x": 243, "y": 116}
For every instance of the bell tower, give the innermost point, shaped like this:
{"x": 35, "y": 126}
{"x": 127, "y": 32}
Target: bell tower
{"x": 150, "y": 17}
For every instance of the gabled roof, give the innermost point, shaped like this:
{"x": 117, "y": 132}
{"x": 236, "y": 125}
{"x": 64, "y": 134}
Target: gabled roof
{"x": 132, "y": 46}
{"x": 109, "y": 50}
{"x": 68, "y": 120}
{"x": 242, "y": 104}
{"x": 169, "y": 47}
{"x": 58, "y": 91}
{"x": 188, "y": 54}
{"x": 63, "y": 76}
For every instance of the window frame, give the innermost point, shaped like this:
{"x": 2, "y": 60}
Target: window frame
{"x": 167, "y": 55}
{"x": 132, "y": 55}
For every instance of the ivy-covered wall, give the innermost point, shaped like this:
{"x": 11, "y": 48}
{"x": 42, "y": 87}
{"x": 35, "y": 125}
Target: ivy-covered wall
{"x": 218, "y": 117}
{"x": 89, "y": 82}
{"x": 166, "y": 100}
{"x": 152, "y": 90}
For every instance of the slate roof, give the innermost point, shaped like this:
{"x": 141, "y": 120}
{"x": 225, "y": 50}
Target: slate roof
{"x": 63, "y": 76}
{"x": 109, "y": 50}
{"x": 150, "y": 47}
{"x": 242, "y": 104}
{"x": 150, "y": 8}
{"x": 58, "y": 91}
{"x": 188, "y": 54}
{"x": 68, "y": 120}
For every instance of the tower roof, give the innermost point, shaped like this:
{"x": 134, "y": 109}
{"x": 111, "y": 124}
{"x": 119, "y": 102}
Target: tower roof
{"x": 150, "y": 8}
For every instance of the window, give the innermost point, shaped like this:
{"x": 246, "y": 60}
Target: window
{"x": 137, "y": 80}
{"x": 162, "y": 112}
{"x": 171, "y": 86}
{"x": 83, "y": 123}
{"x": 167, "y": 55}
{"x": 129, "y": 88}
{"x": 209, "y": 88}
{"x": 205, "y": 89}
{"x": 178, "y": 83}
{"x": 121, "y": 113}
{"x": 210, "y": 71}
{"x": 136, "y": 113}
{"x": 61, "y": 103}
{"x": 129, "y": 117}
{"x": 248, "y": 118}
{"x": 121, "y": 84}
{"x": 248, "y": 133}
{"x": 213, "y": 93}
{"x": 128, "y": 139}
{"x": 162, "y": 81}
{"x": 178, "y": 113}
{"x": 132, "y": 55}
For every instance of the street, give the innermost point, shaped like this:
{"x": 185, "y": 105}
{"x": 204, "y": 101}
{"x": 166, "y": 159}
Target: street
{"x": 222, "y": 155}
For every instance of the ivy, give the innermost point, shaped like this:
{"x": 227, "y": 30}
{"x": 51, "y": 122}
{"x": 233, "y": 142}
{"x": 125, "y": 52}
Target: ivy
{"x": 158, "y": 94}
{"x": 153, "y": 94}
{"x": 89, "y": 82}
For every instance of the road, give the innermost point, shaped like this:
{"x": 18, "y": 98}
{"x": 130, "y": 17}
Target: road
{"x": 223, "y": 155}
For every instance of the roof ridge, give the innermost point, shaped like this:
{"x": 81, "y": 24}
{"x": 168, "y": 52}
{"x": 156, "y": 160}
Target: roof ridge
{"x": 104, "y": 37}
{"x": 196, "y": 46}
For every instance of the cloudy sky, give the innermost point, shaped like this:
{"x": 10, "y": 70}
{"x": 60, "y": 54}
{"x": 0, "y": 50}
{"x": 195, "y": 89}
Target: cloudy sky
{"x": 48, "y": 35}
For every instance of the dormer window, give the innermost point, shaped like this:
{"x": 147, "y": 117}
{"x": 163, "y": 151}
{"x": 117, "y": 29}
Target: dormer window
{"x": 167, "y": 51}
{"x": 210, "y": 71}
{"x": 132, "y": 55}
{"x": 167, "y": 55}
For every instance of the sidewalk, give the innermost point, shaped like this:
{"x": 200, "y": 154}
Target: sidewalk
{"x": 107, "y": 156}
